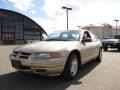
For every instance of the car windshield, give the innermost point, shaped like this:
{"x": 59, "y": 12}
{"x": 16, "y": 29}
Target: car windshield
{"x": 71, "y": 35}
{"x": 115, "y": 37}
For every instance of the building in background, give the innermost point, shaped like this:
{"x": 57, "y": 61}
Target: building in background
{"x": 102, "y": 31}
{"x": 16, "y": 28}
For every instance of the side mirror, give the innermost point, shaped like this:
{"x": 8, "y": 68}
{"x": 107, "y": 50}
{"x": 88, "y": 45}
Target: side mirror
{"x": 86, "y": 40}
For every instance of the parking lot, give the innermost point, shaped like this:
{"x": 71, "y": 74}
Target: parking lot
{"x": 92, "y": 76}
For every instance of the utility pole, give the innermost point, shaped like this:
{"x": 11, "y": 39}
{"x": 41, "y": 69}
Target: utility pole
{"x": 67, "y": 13}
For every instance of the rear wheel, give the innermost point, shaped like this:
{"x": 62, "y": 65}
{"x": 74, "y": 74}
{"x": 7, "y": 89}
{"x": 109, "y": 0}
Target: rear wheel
{"x": 71, "y": 67}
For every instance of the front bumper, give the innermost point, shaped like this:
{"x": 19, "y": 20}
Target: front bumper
{"x": 43, "y": 67}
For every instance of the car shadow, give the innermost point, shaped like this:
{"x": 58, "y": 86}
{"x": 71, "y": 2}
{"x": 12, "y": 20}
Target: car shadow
{"x": 24, "y": 81}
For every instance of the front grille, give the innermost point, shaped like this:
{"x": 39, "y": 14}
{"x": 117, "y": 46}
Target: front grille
{"x": 21, "y": 55}
{"x": 24, "y": 57}
{"x": 16, "y": 52}
{"x": 25, "y": 53}
{"x": 15, "y": 55}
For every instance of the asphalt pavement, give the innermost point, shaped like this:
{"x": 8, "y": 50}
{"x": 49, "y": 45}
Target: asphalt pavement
{"x": 92, "y": 76}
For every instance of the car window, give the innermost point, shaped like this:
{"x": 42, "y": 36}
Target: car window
{"x": 86, "y": 35}
{"x": 93, "y": 37}
{"x": 71, "y": 35}
{"x": 64, "y": 35}
{"x": 54, "y": 35}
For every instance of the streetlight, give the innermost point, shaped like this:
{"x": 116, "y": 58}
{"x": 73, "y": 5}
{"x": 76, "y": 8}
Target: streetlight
{"x": 79, "y": 27}
{"x": 116, "y": 20}
{"x": 67, "y": 13}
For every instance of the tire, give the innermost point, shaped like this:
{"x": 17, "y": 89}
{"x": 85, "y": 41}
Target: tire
{"x": 71, "y": 67}
{"x": 99, "y": 57}
{"x": 105, "y": 48}
{"x": 118, "y": 48}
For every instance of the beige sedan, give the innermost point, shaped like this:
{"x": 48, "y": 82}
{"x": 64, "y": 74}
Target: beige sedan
{"x": 61, "y": 53}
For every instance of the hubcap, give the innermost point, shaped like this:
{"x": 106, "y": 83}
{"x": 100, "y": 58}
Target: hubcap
{"x": 74, "y": 66}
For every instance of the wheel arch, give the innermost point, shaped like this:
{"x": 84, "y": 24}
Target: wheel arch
{"x": 77, "y": 52}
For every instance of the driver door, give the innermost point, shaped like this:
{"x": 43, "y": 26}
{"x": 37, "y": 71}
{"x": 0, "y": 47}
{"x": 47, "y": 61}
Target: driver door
{"x": 88, "y": 47}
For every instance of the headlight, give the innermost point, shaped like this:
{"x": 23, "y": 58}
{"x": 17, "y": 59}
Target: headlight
{"x": 45, "y": 55}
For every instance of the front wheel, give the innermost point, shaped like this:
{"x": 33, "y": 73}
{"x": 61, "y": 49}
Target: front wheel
{"x": 71, "y": 67}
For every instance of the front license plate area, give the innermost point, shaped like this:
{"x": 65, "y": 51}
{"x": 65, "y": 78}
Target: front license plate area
{"x": 16, "y": 64}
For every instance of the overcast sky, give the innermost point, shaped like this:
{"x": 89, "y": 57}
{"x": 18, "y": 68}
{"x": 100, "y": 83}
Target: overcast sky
{"x": 51, "y": 17}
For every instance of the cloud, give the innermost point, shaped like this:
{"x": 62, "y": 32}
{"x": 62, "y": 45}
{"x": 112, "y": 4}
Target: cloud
{"x": 49, "y": 25}
{"x": 57, "y": 21}
{"x": 53, "y": 8}
{"x": 23, "y": 5}
{"x": 33, "y": 11}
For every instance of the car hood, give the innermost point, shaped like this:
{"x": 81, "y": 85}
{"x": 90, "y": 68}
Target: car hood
{"x": 46, "y": 46}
